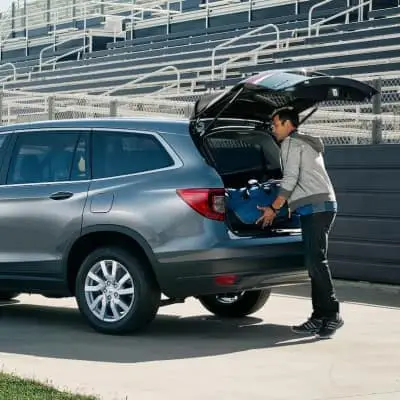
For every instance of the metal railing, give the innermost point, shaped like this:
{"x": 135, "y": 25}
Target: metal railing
{"x": 5, "y": 30}
{"x": 144, "y": 77}
{"x": 346, "y": 12}
{"x": 76, "y": 12}
{"x": 83, "y": 35}
{"x": 300, "y": 30}
{"x": 219, "y": 3}
{"x": 9, "y": 64}
{"x": 61, "y": 56}
{"x": 310, "y": 12}
{"x": 237, "y": 38}
{"x": 255, "y": 53}
{"x": 118, "y": 73}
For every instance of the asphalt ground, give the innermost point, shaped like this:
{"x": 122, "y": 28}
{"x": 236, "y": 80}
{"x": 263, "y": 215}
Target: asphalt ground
{"x": 189, "y": 354}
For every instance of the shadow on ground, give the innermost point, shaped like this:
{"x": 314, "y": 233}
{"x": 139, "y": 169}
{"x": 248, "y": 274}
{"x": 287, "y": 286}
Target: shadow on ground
{"x": 352, "y": 292}
{"x": 62, "y": 333}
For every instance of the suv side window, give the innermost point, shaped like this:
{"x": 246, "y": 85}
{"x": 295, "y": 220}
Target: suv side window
{"x": 81, "y": 164}
{"x": 120, "y": 153}
{"x": 42, "y": 157}
{"x": 2, "y": 139}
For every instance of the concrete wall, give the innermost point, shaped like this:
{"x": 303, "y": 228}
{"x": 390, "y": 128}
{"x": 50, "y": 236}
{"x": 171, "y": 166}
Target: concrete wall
{"x": 365, "y": 240}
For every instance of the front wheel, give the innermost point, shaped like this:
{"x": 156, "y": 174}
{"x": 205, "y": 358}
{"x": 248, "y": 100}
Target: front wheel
{"x": 235, "y": 305}
{"x": 116, "y": 292}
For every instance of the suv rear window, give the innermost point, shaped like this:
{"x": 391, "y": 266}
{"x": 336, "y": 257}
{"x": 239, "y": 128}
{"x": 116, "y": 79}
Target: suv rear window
{"x": 235, "y": 155}
{"x": 242, "y": 154}
{"x": 120, "y": 153}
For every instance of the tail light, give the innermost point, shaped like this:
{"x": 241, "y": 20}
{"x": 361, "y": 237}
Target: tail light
{"x": 208, "y": 202}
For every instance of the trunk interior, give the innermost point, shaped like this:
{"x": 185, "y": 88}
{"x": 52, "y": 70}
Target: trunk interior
{"x": 240, "y": 154}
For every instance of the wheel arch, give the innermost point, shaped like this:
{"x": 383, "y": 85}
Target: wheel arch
{"x": 97, "y": 236}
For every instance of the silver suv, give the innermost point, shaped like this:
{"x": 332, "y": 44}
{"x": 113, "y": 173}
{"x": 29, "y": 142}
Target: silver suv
{"x": 128, "y": 215}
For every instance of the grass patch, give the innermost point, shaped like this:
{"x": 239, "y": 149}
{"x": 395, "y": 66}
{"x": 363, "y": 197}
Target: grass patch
{"x": 12, "y": 387}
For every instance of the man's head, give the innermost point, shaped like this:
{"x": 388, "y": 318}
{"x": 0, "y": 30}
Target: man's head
{"x": 284, "y": 122}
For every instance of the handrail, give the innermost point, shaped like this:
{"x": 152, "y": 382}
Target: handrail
{"x": 297, "y": 30}
{"x": 82, "y": 34}
{"x": 130, "y": 6}
{"x": 235, "y": 39}
{"x": 158, "y": 93}
{"x": 144, "y": 77}
{"x": 294, "y": 31}
{"x": 13, "y": 67}
{"x": 39, "y": 21}
{"x": 344, "y": 12}
{"x": 256, "y": 52}
{"x": 217, "y": 3}
{"x": 311, "y": 11}
{"x": 68, "y": 53}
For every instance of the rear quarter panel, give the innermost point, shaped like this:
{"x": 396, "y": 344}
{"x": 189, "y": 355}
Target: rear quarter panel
{"x": 148, "y": 204}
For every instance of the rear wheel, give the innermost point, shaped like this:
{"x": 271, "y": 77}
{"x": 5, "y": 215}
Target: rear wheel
{"x": 116, "y": 292}
{"x": 235, "y": 305}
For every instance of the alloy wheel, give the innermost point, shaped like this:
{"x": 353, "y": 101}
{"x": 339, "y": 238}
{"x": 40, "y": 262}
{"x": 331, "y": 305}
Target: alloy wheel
{"x": 109, "y": 290}
{"x": 229, "y": 298}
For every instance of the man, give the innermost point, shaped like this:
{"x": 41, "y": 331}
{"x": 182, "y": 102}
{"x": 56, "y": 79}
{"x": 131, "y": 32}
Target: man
{"x": 308, "y": 190}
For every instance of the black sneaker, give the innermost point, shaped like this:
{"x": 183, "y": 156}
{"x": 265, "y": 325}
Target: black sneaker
{"x": 311, "y": 327}
{"x": 329, "y": 328}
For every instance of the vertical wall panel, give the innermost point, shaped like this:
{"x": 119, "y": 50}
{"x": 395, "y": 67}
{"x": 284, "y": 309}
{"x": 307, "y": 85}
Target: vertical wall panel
{"x": 365, "y": 240}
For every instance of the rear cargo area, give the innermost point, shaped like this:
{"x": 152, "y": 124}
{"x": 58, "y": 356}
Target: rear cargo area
{"x": 240, "y": 155}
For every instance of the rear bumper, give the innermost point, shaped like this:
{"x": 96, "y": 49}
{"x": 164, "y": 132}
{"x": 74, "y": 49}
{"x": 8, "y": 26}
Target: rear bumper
{"x": 252, "y": 263}
{"x": 206, "y": 285}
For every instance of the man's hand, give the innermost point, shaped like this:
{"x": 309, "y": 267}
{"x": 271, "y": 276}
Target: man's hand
{"x": 267, "y": 217}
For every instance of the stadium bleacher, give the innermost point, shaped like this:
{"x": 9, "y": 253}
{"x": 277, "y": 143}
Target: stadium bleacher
{"x": 169, "y": 47}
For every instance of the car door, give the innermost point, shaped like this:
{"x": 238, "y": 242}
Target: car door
{"x": 44, "y": 186}
{"x": 127, "y": 166}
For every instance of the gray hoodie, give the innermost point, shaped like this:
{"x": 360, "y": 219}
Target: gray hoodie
{"x": 305, "y": 179}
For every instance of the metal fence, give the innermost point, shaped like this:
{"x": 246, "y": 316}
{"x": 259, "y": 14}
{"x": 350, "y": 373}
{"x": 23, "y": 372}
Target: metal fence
{"x": 376, "y": 121}
{"x": 371, "y": 122}
{"x": 18, "y": 106}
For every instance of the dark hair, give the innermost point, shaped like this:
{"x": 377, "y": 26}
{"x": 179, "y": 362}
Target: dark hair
{"x": 287, "y": 114}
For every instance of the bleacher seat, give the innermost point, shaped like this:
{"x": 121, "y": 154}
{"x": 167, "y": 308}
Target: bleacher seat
{"x": 186, "y": 40}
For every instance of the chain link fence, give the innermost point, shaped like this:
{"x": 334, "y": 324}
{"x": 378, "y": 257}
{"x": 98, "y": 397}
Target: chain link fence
{"x": 19, "y": 107}
{"x": 376, "y": 121}
{"x": 370, "y": 122}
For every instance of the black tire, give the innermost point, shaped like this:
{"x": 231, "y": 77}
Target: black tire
{"x": 145, "y": 301}
{"x": 8, "y": 295}
{"x": 247, "y": 303}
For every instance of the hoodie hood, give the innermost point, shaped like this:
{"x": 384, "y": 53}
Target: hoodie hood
{"x": 314, "y": 141}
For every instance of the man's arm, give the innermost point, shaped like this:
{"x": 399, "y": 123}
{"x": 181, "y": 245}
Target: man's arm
{"x": 279, "y": 202}
{"x": 290, "y": 174}
{"x": 288, "y": 183}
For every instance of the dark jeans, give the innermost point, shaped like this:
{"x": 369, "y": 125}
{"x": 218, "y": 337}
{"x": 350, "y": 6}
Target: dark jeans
{"x": 316, "y": 228}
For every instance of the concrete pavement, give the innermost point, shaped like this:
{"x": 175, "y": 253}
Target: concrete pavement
{"x": 189, "y": 354}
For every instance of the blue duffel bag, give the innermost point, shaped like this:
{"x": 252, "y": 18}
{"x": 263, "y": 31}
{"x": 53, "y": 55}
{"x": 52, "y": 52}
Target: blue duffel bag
{"x": 243, "y": 202}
